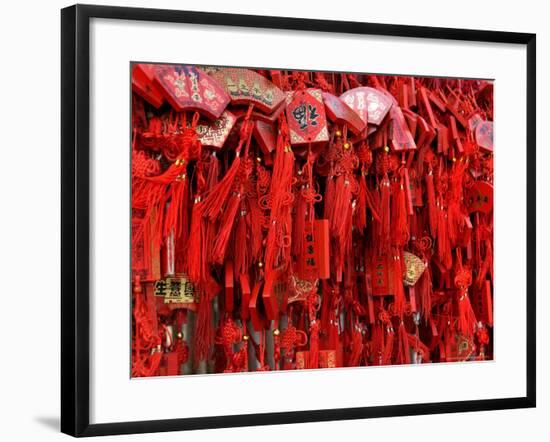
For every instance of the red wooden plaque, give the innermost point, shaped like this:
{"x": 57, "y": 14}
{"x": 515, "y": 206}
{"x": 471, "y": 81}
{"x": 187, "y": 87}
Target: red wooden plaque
{"x": 305, "y": 113}
{"x": 266, "y": 136}
{"x": 215, "y": 133}
{"x": 479, "y": 197}
{"x": 143, "y": 84}
{"x": 341, "y": 113}
{"x": 484, "y": 135}
{"x": 381, "y": 276}
{"x": 315, "y": 260}
{"x": 370, "y": 104}
{"x": 189, "y": 88}
{"x": 245, "y": 86}
{"x": 275, "y": 294}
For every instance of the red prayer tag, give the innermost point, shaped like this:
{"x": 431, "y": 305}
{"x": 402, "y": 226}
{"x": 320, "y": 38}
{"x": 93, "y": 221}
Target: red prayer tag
{"x": 484, "y": 135}
{"x": 266, "y": 136}
{"x": 479, "y": 197}
{"x": 144, "y": 86}
{"x": 370, "y": 104}
{"x": 341, "y": 113}
{"x": 380, "y": 276}
{"x": 246, "y": 86}
{"x": 189, "y": 88}
{"x": 315, "y": 259}
{"x": 215, "y": 133}
{"x": 401, "y": 137}
{"x": 305, "y": 113}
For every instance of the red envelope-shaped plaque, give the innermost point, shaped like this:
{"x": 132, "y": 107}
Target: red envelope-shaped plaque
{"x": 245, "y": 86}
{"x": 370, "y": 104}
{"x": 479, "y": 197}
{"x": 484, "y": 135}
{"x": 305, "y": 113}
{"x": 143, "y": 84}
{"x": 189, "y": 88}
{"x": 266, "y": 135}
{"x": 341, "y": 113}
{"x": 215, "y": 134}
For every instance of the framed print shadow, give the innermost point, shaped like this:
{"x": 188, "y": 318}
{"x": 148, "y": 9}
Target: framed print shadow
{"x": 275, "y": 236}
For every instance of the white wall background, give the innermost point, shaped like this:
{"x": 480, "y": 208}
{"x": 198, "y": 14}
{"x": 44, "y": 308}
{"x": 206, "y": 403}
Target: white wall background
{"x": 29, "y": 220}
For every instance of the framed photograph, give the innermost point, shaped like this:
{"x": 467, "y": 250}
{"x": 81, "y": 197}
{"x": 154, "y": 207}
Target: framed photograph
{"x": 272, "y": 220}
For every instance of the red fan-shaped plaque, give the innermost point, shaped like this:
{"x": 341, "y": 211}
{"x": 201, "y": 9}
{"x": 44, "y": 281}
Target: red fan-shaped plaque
{"x": 189, "y": 88}
{"x": 143, "y": 84}
{"x": 484, "y": 135}
{"x": 341, "y": 113}
{"x": 305, "y": 113}
{"x": 371, "y": 104}
{"x": 245, "y": 86}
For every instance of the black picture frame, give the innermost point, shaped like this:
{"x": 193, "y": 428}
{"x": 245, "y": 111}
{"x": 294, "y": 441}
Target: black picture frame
{"x": 75, "y": 212}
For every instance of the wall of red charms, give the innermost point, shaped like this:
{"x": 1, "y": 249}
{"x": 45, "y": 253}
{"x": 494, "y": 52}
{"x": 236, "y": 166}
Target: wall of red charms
{"x": 289, "y": 220}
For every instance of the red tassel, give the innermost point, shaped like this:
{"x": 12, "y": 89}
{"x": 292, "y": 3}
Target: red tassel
{"x": 403, "y": 349}
{"x": 384, "y": 213}
{"x": 399, "y": 290}
{"x": 204, "y": 323}
{"x": 432, "y": 209}
{"x": 313, "y": 345}
{"x": 388, "y": 347}
{"x": 466, "y": 317}
{"x": 243, "y": 246}
{"x": 443, "y": 245}
{"x": 299, "y": 226}
{"x": 341, "y": 217}
{"x": 400, "y": 228}
{"x": 196, "y": 256}
{"x": 277, "y": 250}
{"x": 377, "y": 344}
{"x": 219, "y": 194}
{"x": 356, "y": 347}
{"x": 176, "y": 219}
{"x": 225, "y": 229}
